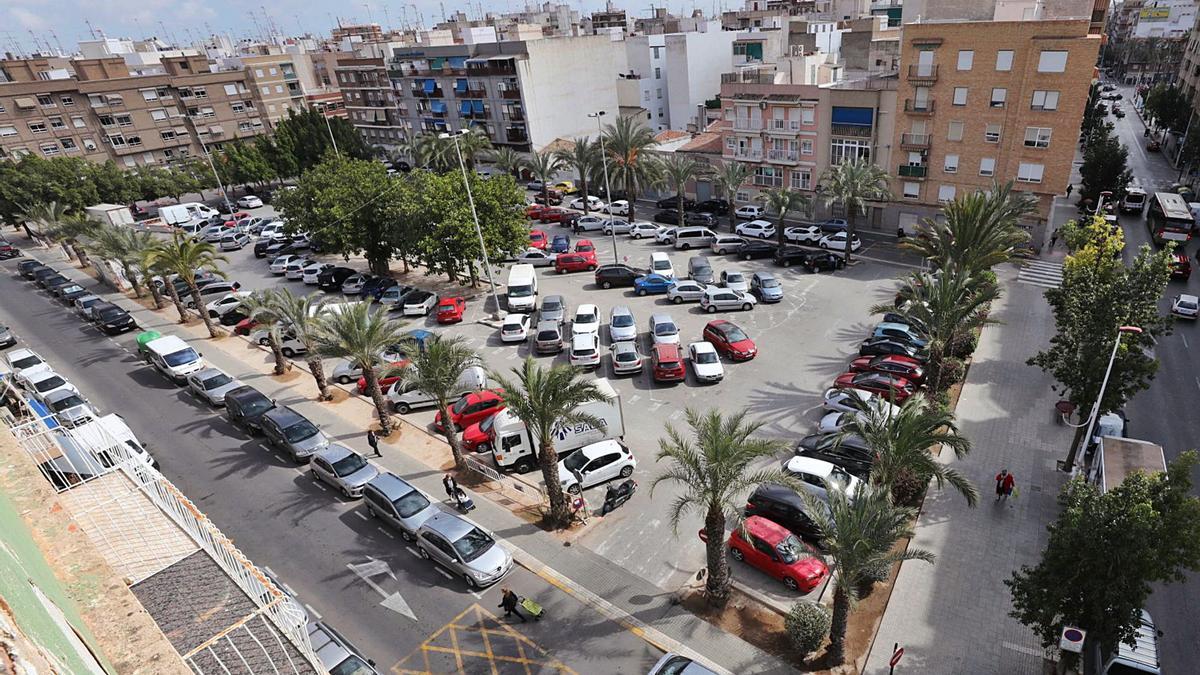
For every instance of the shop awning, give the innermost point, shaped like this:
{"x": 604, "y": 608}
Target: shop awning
{"x": 429, "y": 86}
{"x": 477, "y": 106}
{"x": 437, "y": 106}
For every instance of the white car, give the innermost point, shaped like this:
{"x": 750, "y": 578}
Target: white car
{"x": 621, "y": 324}
{"x": 295, "y": 269}
{"x": 734, "y": 280}
{"x": 279, "y": 264}
{"x": 515, "y": 328}
{"x": 803, "y": 234}
{"x": 837, "y": 242}
{"x": 312, "y": 272}
{"x": 663, "y": 330}
{"x": 290, "y": 346}
{"x": 589, "y": 224}
{"x": 613, "y": 226}
{"x": 625, "y": 358}
{"x": 1185, "y": 306}
{"x": 686, "y": 291}
{"x": 585, "y": 350}
{"x": 665, "y": 234}
{"x": 45, "y": 382}
{"x": 250, "y": 202}
{"x": 724, "y": 243}
{"x": 642, "y": 228}
{"x": 225, "y": 303}
{"x": 834, "y": 422}
{"x": 748, "y": 212}
{"x": 587, "y": 320}
{"x": 706, "y": 363}
{"x": 618, "y": 208}
{"x": 271, "y": 229}
{"x": 234, "y": 241}
{"x": 817, "y": 477}
{"x": 419, "y": 303}
{"x": 593, "y": 203}
{"x": 717, "y": 299}
{"x": 535, "y": 257}
{"x": 24, "y": 363}
{"x": 842, "y": 400}
{"x": 660, "y": 264}
{"x": 595, "y": 464}
{"x": 759, "y": 229}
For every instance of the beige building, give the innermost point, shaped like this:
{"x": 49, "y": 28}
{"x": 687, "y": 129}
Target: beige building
{"x": 276, "y": 79}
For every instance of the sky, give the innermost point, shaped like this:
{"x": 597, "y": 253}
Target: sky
{"x": 27, "y": 25}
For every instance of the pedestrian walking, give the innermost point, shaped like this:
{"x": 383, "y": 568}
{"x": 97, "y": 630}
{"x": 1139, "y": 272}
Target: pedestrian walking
{"x": 509, "y": 603}
{"x": 451, "y": 486}
{"x": 1053, "y": 238}
{"x": 373, "y": 441}
{"x": 1070, "y": 189}
{"x": 1004, "y": 485}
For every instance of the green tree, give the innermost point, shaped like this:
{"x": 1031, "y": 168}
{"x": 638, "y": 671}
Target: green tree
{"x": 545, "y": 167}
{"x": 241, "y": 163}
{"x": 781, "y": 202}
{"x": 716, "y": 472}
{"x": 113, "y": 184}
{"x": 546, "y": 399}
{"x": 262, "y": 307}
{"x": 436, "y": 371}
{"x": 434, "y": 152}
{"x": 1168, "y": 106}
{"x": 630, "y": 165}
{"x": 1105, "y": 167}
{"x": 506, "y": 159}
{"x": 303, "y": 315}
{"x": 676, "y": 171}
{"x": 473, "y": 145}
{"x": 1104, "y": 552}
{"x": 1098, "y": 295}
{"x": 305, "y": 137}
{"x": 357, "y": 335}
{"x": 1093, "y": 117}
{"x": 185, "y": 258}
{"x": 153, "y": 264}
{"x": 859, "y": 535}
{"x": 978, "y": 230}
{"x": 730, "y": 178}
{"x": 853, "y": 184}
{"x": 584, "y": 157}
{"x": 125, "y": 247}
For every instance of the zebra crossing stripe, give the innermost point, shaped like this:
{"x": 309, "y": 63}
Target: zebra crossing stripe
{"x": 1041, "y": 273}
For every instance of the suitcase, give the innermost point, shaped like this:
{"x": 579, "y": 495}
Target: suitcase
{"x": 532, "y": 608}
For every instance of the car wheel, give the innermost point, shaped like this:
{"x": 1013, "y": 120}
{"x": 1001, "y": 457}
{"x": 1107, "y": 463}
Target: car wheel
{"x": 787, "y": 263}
{"x": 407, "y": 536}
{"x": 402, "y": 408}
{"x": 677, "y": 300}
{"x": 720, "y": 251}
{"x": 712, "y": 309}
{"x": 470, "y": 581}
{"x": 626, "y": 471}
{"x": 824, "y": 245}
{"x": 525, "y": 465}
{"x": 746, "y": 256}
{"x": 685, "y": 247}
{"x": 641, "y": 292}
{"x": 791, "y": 584}
{"x": 371, "y": 512}
{"x": 314, "y": 474}
{"x": 346, "y": 493}
{"x": 562, "y": 270}
{"x": 637, "y": 236}
{"x": 288, "y": 352}
{"x": 606, "y": 284}
{"x": 422, "y": 552}
{"x": 343, "y": 380}
{"x": 263, "y": 341}
{"x": 591, "y": 268}
{"x": 736, "y": 554}
{"x": 574, "y": 489}
{"x": 483, "y": 448}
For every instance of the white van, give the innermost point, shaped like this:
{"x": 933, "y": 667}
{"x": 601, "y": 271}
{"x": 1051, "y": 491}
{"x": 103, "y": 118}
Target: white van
{"x": 522, "y": 288}
{"x": 1134, "y": 200}
{"x": 101, "y": 433}
{"x": 1126, "y": 659}
{"x": 693, "y": 237}
{"x": 179, "y": 214}
{"x": 660, "y": 263}
{"x": 174, "y": 358}
{"x": 406, "y": 400}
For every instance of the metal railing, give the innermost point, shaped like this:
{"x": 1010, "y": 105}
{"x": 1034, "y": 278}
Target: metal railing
{"x": 918, "y": 107}
{"x": 913, "y": 171}
{"x": 783, "y": 155}
{"x": 742, "y": 124}
{"x": 922, "y": 71}
{"x": 914, "y": 140}
{"x": 784, "y": 125}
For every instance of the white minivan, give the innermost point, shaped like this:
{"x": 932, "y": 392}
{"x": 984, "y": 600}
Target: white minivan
{"x": 522, "y": 288}
{"x": 693, "y": 237}
{"x": 406, "y": 400}
{"x": 174, "y": 358}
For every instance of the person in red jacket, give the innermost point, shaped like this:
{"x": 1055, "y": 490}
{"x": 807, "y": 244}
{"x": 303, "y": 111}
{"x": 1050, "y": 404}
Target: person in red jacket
{"x": 1004, "y": 484}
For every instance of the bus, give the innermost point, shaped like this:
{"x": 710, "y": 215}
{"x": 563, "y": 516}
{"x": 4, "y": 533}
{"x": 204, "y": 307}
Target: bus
{"x": 1169, "y": 219}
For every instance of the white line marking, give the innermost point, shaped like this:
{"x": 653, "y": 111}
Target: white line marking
{"x": 387, "y": 534}
{"x": 477, "y": 594}
{"x": 634, "y": 398}
{"x": 362, "y": 515}
{"x": 444, "y": 572}
{"x": 413, "y": 550}
{"x": 288, "y": 589}
{"x": 1185, "y": 344}
{"x": 315, "y": 613}
{"x": 320, "y": 487}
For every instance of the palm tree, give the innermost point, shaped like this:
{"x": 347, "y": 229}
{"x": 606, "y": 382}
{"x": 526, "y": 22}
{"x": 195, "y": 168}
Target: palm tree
{"x": 676, "y": 172}
{"x": 184, "y": 258}
{"x": 627, "y": 141}
{"x": 902, "y": 440}
{"x": 546, "y": 399}
{"x": 70, "y": 230}
{"x": 545, "y": 167}
{"x": 433, "y": 152}
{"x": 859, "y": 535}
{"x": 781, "y": 202}
{"x": 359, "y": 336}
{"x": 853, "y": 183}
{"x": 715, "y": 472}
{"x": 116, "y": 243}
{"x": 262, "y": 307}
{"x": 153, "y": 267}
{"x": 45, "y": 216}
{"x": 584, "y": 157}
{"x": 303, "y": 315}
{"x": 980, "y": 229}
{"x": 437, "y": 371}
{"x": 472, "y": 145}
{"x": 139, "y": 244}
{"x": 730, "y": 178}
{"x": 507, "y": 160}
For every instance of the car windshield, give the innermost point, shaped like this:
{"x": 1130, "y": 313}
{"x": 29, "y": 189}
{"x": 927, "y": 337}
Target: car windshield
{"x": 256, "y": 406}
{"x": 576, "y": 462}
{"x": 473, "y": 544}
{"x": 734, "y": 334}
{"x": 549, "y": 305}
{"x": 299, "y": 431}
{"x": 791, "y": 550}
{"x": 417, "y": 298}
{"x": 547, "y": 335}
{"x": 1187, "y": 304}
{"x": 734, "y": 278}
{"x": 626, "y": 356}
{"x": 181, "y": 357}
{"x": 662, "y": 264}
{"x": 769, "y": 283}
{"x": 622, "y": 320}
{"x": 21, "y": 364}
{"x": 352, "y": 666}
{"x": 217, "y": 381}
{"x": 68, "y": 402}
{"x": 585, "y": 318}
{"x": 50, "y": 383}
{"x": 705, "y": 357}
{"x": 665, "y": 328}
{"x": 584, "y": 248}
{"x": 460, "y": 405}
{"x": 349, "y": 464}
{"x": 520, "y": 291}
{"x": 110, "y": 313}
{"x": 411, "y": 504}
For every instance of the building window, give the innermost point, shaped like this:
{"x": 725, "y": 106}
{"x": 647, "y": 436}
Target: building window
{"x": 67, "y": 101}
{"x": 946, "y": 193}
{"x": 1030, "y": 173}
{"x": 37, "y": 127}
{"x": 951, "y": 164}
{"x": 68, "y": 144}
{"x": 806, "y": 146}
{"x": 274, "y": 71}
{"x": 158, "y": 115}
{"x": 57, "y": 123}
{"x": 130, "y": 162}
{"x": 237, "y": 106}
{"x": 7, "y": 130}
{"x": 133, "y": 141}
{"x": 999, "y": 96}
{"x": 96, "y": 101}
{"x": 658, "y": 73}
{"x": 966, "y": 59}
{"x": 167, "y": 134}
{"x": 258, "y": 72}
{"x": 1052, "y": 61}
{"x": 279, "y": 89}
{"x": 46, "y": 101}
{"x": 807, "y": 115}
{"x": 1044, "y": 100}
{"x": 841, "y": 149}
{"x": 245, "y": 126}
{"x": 78, "y": 122}
{"x": 231, "y": 90}
{"x": 1004, "y": 59}
{"x": 960, "y": 96}
{"x": 992, "y": 133}
{"x": 266, "y": 91}
{"x": 801, "y": 180}
{"x": 50, "y": 149}
{"x": 150, "y": 94}
{"x": 117, "y": 140}
{"x": 658, "y": 93}
{"x": 911, "y": 190}
{"x": 2, "y": 109}
{"x": 955, "y": 132}
{"x": 199, "y": 92}
{"x": 1037, "y": 137}
{"x": 766, "y": 176}
{"x": 987, "y": 166}
{"x": 124, "y": 121}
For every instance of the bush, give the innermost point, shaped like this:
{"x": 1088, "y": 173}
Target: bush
{"x": 909, "y": 489}
{"x": 947, "y": 372}
{"x": 964, "y": 345}
{"x": 873, "y": 574}
{"x": 807, "y": 626}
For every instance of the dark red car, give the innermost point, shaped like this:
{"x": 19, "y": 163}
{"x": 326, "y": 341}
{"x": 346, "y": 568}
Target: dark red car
{"x": 552, "y": 215}
{"x": 668, "y": 363}
{"x": 472, "y": 408}
{"x": 729, "y": 339}
{"x": 245, "y": 326}
{"x": 771, "y": 548}
{"x": 575, "y": 262}
{"x": 556, "y": 197}
{"x": 384, "y": 382}
{"x": 538, "y": 240}
{"x": 534, "y": 210}
{"x": 450, "y": 310}
{"x": 1181, "y": 267}
{"x": 890, "y": 387}
{"x": 908, "y": 368}
{"x": 586, "y": 246}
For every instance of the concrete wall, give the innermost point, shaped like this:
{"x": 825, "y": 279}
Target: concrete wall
{"x": 695, "y": 62}
{"x": 565, "y": 79}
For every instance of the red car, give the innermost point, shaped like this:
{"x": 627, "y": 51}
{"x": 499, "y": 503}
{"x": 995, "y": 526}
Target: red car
{"x": 472, "y": 408}
{"x": 384, "y": 382}
{"x": 585, "y": 246}
{"x": 450, "y": 310}
{"x": 667, "y": 362}
{"x": 534, "y": 210}
{"x": 771, "y": 548}
{"x": 552, "y": 215}
{"x": 1181, "y": 267}
{"x": 538, "y": 240}
{"x": 574, "y": 262}
{"x": 909, "y": 369}
{"x": 478, "y": 436}
{"x": 556, "y": 197}
{"x": 244, "y": 327}
{"x": 891, "y": 387}
{"x": 729, "y": 339}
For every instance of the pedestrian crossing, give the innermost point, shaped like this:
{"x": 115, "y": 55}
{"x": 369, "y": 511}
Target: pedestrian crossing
{"x": 1041, "y": 273}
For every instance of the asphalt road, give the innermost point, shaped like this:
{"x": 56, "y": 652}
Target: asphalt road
{"x": 310, "y": 537}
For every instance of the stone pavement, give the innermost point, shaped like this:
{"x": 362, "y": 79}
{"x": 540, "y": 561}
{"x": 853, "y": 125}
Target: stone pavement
{"x": 952, "y": 616}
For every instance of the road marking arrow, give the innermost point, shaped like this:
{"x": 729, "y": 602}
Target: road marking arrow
{"x": 374, "y": 568}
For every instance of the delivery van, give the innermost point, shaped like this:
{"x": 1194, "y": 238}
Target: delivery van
{"x": 174, "y": 358}
{"x": 181, "y": 214}
{"x": 522, "y": 288}
{"x": 515, "y": 448}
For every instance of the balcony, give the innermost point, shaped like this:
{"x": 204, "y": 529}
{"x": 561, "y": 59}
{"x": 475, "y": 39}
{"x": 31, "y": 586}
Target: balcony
{"x": 289, "y": 75}
{"x": 743, "y": 124}
{"x": 748, "y": 155}
{"x": 783, "y": 156}
{"x": 470, "y": 93}
{"x": 514, "y": 116}
{"x": 783, "y": 126}
{"x": 516, "y": 136}
{"x": 924, "y": 73}
{"x": 421, "y": 92}
{"x": 914, "y": 141}
{"x": 918, "y": 107}
{"x": 913, "y": 171}
{"x": 510, "y": 93}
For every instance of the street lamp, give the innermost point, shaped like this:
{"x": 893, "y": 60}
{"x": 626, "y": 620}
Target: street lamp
{"x": 324, "y": 110}
{"x": 487, "y": 265}
{"x": 607, "y": 185}
{"x": 220, "y": 186}
{"x": 1070, "y": 463}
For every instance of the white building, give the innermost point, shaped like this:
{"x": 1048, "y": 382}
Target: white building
{"x": 679, "y": 72}
{"x": 1164, "y": 19}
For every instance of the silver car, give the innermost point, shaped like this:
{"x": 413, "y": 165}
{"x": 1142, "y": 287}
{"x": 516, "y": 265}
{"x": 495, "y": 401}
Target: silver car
{"x": 554, "y": 308}
{"x": 404, "y": 507}
{"x": 685, "y": 291}
{"x": 615, "y": 226}
{"x": 463, "y": 548}
{"x": 344, "y": 469}
{"x": 547, "y": 337}
{"x": 291, "y": 432}
{"x": 211, "y": 385}
{"x": 721, "y": 299}
{"x": 234, "y": 241}
{"x": 83, "y": 305}
{"x": 346, "y": 372}
{"x": 621, "y": 324}
{"x": 70, "y": 408}
{"x": 625, "y": 358}
{"x": 7, "y": 337}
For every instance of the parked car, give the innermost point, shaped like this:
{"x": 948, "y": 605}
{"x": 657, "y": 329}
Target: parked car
{"x": 594, "y": 464}
{"x": 803, "y": 234}
{"x": 706, "y": 363}
{"x": 332, "y": 279}
{"x": 554, "y": 308}
{"x": 7, "y": 337}
{"x": 663, "y": 330}
{"x": 771, "y": 548}
{"x": 589, "y": 224}
{"x": 717, "y": 207}
{"x": 586, "y": 319}
{"x": 293, "y": 433}
{"x": 652, "y": 284}
{"x": 685, "y": 291}
{"x": 535, "y": 257}
{"x": 69, "y": 407}
{"x": 666, "y": 362}
{"x": 1181, "y": 266}
{"x": 621, "y": 324}
{"x": 234, "y": 241}
{"x": 472, "y": 408}
{"x": 615, "y": 226}
{"x": 249, "y": 202}
{"x": 398, "y": 503}
{"x": 245, "y": 406}
{"x": 419, "y": 303}
{"x": 552, "y": 214}
{"x": 759, "y": 229}
{"x": 313, "y": 271}
{"x": 575, "y": 262}
{"x": 642, "y": 228}
{"x": 748, "y": 212}
{"x": 730, "y": 340}
{"x": 618, "y": 207}
{"x": 834, "y": 225}
{"x": 344, "y": 469}
{"x": 547, "y": 337}
{"x": 614, "y": 275}
{"x": 734, "y": 280}
{"x": 515, "y": 328}
{"x": 902, "y": 332}
{"x": 837, "y": 241}
{"x": 816, "y": 261}
{"x": 665, "y": 234}
{"x": 560, "y": 244}
{"x": 463, "y": 549}
{"x": 1185, "y": 306}
{"x": 886, "y": 385}
{"x": 673, "y": 203}
{"x": 44, "y": 382}
{"x": 625, "y": 358}
{"x": 699, "y": 270}
{"x": 717, "y": 299}
{"x": 212, "y": 384}
{"x": 593, "y": 202}
{"x": 783, "y": 507}
{"x": 450, "y": 310}
{"x": 727, "y": 243}
{"x": 112, "y": 319}
{"x": 353, "y": 284}
{"x": 84, "y": 303}
{"x": 757, "y": 249}
{"x": 585, "y": 350}
{"x": 818, "y": 477}
{"x": 765, "y": 287}
{"x": 888, "y": 345}
{"x": 903, "y": 366}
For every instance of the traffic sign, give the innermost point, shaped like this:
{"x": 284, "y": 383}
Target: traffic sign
{"x": 897, "y": 652}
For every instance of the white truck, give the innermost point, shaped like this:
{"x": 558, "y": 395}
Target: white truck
{"x": 514, "y": 448}
{"x": 110, "y": 214}
{"x": 1116, "y": 458}
{"x": 182, "y": 214}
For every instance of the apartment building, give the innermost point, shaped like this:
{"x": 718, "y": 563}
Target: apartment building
{"x": 276, "y": 80}
{"x": 678, "y": 72}
{"x": 370, "y": 102}
{"x": 96, "y": 109}
{"x": 984, "y": 101}
{"x": 1147, "y": 38}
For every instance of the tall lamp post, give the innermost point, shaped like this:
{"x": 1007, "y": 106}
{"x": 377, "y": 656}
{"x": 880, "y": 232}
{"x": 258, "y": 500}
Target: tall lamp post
{"x": 1087, "y": 436}
{"x": 487, "y": 265}
{"x": 220, "y": 186}
{"x": 607, "y": 185}
{"x": 324, "y": 110}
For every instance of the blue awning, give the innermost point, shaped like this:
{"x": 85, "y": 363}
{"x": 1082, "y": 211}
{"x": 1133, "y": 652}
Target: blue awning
{"x": 458, "y": 61}
{"x": 477, "y": 106}
{"x": 429, "y": 86}
{"x": 464, "y": 108}
{"x": 862, "y": 117}
{"x": 460, "y": 84}
{"x": 437, "y": 106}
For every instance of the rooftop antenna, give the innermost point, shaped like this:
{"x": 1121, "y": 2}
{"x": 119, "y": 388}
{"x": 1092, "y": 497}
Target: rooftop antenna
{"x": 442, "y": 5}
{"x": 367, "y": 6}
{"x": 37, "y": 47}
{"x": 387, "y": 18}
{"x": 61, "y": 51}
{"x": 91, "y": 29}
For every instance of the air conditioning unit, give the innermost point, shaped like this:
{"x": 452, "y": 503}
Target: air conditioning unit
{"x": 1071, "y": 639}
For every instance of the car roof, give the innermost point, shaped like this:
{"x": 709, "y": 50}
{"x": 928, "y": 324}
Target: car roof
{"x": 60, "y": 394}
{"x": 1188, "y": 296}
{"x": 811, "y": 465}
{"x": 624, "y": 346}
{"x": 779, "y": 493}
{"x": 245, "y": 392}
{"x": 39, "y": 375}
{"x": 661, "y": 318}
{"x": 666, "y": 350}
{"x": 449, "y": 525}
{"x": 762, "y": 276}
{"x": 660, "y": 255}
{"x": 335, "y": 453}
{"x": 209, "y": 372}
{"x": 703, "y": 346}
{"x": 584, "y": 340}
{"x": 765, "y": 529}
{"x": 391, "y": 485}
{"x": 547, "y": 324}
{"x": 620, "y": 309}
{"x": 284, "y": 415}
{"x": 601, "y": 447}
{"x": 587, "y": 308}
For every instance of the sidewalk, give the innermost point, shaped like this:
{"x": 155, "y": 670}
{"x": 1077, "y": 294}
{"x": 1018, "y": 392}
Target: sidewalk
{"x": 630, "y": 601}
{"x": 952, "y": 616}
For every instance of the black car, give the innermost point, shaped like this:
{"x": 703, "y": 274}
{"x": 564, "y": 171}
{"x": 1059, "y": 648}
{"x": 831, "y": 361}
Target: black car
{"x": 608, "y": 276}
{"x": 331, "y": 279}
{"x": 852, "y": 445}
{"x": 260, "y": 246}
{"x": 673, "y": 203}
{"x": 783, "y": 506}
{"x": 68, "y": 297}
{"x": 112, "y": 319}
{"x": 817, "y": 261}
{"x": 717, "y": 207}
{"x": 26, "y": 268}
{"x": 689, "y": 218}
{"x": 786, "y": 256}
{"x": 244, "y": 408}
{"x": 43, "y": 273}
{"x": 53, "y": 281}
{"x": 885, "y": 345}
{"x": 667, "y": 217}
{"x": 756, "y": 249}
